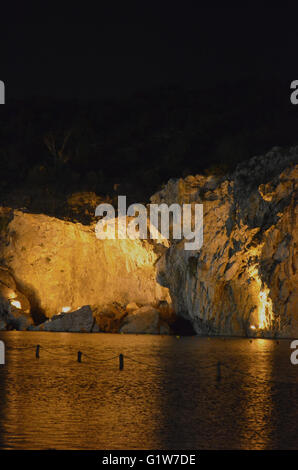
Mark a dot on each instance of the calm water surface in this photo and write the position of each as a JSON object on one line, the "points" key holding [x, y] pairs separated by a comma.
{"points": [[171, 400]]}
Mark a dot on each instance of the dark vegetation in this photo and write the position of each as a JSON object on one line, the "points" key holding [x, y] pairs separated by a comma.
{"points": [[51, 149]]}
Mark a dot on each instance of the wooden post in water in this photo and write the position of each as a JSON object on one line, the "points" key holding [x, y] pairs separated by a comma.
{"points": [[80, 356], [121, 361], [218, 371], [37, 351]]}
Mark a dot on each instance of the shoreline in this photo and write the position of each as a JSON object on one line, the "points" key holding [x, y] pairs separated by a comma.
{"points": [[176, 336]]}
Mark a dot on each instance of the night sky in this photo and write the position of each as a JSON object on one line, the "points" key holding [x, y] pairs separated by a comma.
{"points": [[86, 53], [136, 93]]}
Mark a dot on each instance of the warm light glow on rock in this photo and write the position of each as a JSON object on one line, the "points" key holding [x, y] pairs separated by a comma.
{"points": [[16, 304], [265, 312], [12, 295], [252, 327], [77, 269], [66, 309]]}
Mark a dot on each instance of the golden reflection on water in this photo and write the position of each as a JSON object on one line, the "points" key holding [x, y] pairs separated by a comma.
{"points": [[55, 402], [168, 399], [257, 401]]}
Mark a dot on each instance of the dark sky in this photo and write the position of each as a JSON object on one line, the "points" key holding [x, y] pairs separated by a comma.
{"points": [[83, 52]]}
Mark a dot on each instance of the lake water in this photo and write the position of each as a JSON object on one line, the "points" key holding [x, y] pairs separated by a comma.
{"points": [[170, 399]]}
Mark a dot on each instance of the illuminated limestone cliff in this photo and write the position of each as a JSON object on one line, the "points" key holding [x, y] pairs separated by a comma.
{"points": [[244, 280], [61, 266]]}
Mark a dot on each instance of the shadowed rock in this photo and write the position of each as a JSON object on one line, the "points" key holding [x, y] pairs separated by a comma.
{"points": [[14, 306], [145, 320], [80, 321]]}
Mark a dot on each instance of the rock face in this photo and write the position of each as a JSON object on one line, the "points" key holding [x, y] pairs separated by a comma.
{"points": [[243, 281], [13, 318], [145, 320], [109, 318], [130, 308], [14, 306], [61, 265], [80, 321]]}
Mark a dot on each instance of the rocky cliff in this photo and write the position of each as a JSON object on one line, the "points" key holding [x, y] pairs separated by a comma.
{"points": [[243, 281], [60, 266]]}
